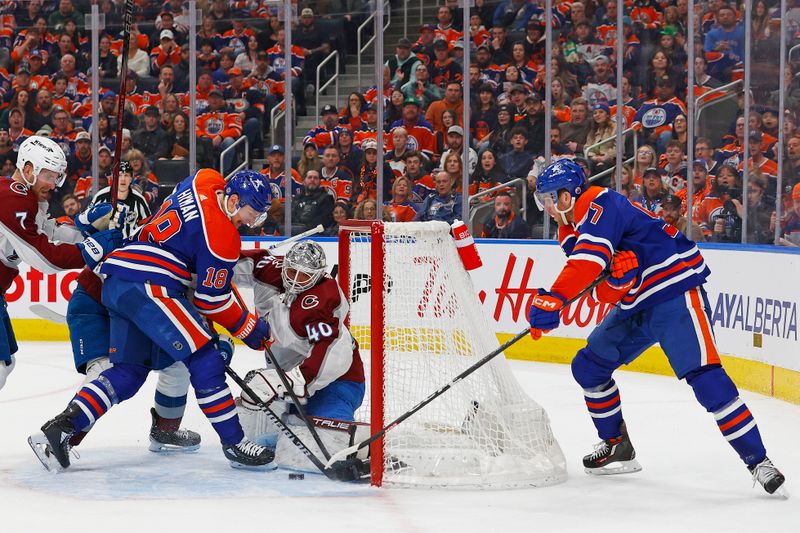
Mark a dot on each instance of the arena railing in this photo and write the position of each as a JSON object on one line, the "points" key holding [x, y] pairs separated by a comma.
{"points": [[335, 78], [370, 19], [714, 97], [245, 162], [522, 183]]}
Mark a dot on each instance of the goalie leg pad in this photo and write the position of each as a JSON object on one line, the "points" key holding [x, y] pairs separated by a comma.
{"points": [[171, 391], [716, 392], [335, 434]]}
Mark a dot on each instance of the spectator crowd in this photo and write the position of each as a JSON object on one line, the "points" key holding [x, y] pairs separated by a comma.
{"points": [[45, 88]]}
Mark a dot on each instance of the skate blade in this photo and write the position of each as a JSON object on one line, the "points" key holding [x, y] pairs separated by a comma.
{"points": [[259, 468], [160, 447], [781, 492], [41, 447], [618, 467]]}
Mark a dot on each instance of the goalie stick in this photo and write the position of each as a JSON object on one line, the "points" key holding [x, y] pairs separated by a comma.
{"points": [[342, 472], [127, 19], [313, 231], [300, 409], [339, 457]]}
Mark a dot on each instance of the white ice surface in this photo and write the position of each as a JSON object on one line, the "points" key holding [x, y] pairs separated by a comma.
{"points": [[691, 479]]}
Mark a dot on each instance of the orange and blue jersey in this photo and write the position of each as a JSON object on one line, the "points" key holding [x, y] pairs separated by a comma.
{"points": [[658, 115], [189, 235], [670, 264]]}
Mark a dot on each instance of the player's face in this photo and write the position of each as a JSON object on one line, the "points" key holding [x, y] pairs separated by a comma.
{"points": [[670, 213], [45, 182], [245, 216]]}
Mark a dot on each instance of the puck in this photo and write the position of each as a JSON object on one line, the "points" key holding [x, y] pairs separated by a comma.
{"points": [[297, 476]]}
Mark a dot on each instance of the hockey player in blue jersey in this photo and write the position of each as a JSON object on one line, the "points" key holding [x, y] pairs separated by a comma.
{"points": [[153, 321], [657, 278]]}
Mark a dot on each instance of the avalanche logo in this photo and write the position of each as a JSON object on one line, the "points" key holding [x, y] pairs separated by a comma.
{"points": [[309, 302], [654, 118]]}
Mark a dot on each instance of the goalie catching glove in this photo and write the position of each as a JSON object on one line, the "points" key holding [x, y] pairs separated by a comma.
{"points": [[267, 384]]}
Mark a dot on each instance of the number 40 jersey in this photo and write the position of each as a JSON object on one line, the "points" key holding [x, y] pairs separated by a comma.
{"points": [[307, 330], [189, 235]]}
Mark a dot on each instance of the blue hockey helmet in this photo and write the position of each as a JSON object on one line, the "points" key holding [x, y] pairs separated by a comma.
{"points": [[563, 174], [253, 191]]}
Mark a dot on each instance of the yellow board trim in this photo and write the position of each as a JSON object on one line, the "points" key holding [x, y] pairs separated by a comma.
{"points": [[754, 376]]}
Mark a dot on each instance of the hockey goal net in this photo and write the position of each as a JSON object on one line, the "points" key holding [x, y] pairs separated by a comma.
{"points": [[419, 323]]}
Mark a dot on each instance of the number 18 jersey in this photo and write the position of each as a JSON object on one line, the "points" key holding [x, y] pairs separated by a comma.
{"points": [[189, 235]]}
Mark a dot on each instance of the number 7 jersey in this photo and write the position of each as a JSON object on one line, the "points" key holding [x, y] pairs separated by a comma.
{"points": [[607, 222], [189, 235]]}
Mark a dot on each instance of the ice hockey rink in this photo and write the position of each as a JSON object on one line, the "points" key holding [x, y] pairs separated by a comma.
{"points": [[691, 480]]}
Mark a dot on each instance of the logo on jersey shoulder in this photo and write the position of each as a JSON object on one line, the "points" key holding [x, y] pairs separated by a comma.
{"points": [[19, 188], [654, 118], [309, 302]]}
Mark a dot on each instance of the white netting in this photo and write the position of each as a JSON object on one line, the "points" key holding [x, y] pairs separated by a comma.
{"points": [[485, 432]]}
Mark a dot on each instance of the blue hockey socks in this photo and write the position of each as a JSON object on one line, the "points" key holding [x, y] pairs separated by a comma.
{"points": [[600, 392], [213, 395], [113, 386], [716, 392]]}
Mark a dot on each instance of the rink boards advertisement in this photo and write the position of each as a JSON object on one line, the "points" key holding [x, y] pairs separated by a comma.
{"points": [[753, 294]]}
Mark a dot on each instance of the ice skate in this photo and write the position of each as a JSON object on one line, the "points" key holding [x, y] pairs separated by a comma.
{"points": [[612, 456], [769, 477], [165, 440], [248, 454], [52, 446]]}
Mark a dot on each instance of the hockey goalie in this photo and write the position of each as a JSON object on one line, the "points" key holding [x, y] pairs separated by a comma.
{"points": [[306, 313]]}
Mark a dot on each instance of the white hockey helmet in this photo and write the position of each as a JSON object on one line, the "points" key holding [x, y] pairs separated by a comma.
{"points": [[42, 153], [306, 258]]}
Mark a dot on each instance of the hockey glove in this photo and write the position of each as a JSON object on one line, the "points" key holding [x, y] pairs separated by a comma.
{"points": [[118, 220], [99, 218], [225, 346], [254, 332], [96, 247], [545, 312], [268, 385], [624, 268]]}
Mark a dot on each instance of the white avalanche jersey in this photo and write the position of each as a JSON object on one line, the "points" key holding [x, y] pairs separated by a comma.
{"points": [[308, 330]]}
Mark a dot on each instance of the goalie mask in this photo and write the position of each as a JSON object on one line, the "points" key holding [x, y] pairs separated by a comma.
{"points": [[43, 154], [303, 267]]}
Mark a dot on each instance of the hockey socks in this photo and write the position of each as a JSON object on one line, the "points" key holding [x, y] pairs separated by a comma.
{"points": [[220, 409], [740, 430], [94, 400], [605, 408], [716, 392]]}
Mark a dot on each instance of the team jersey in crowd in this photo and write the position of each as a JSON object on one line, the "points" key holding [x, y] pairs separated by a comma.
{"points": [[339, 184], [277, 60], [213, 123], [423, 187], [27, 234], [278, 185], [190, 234], [308, 330], [669, 263], [658, 115], [322, 136], [420, 136]]}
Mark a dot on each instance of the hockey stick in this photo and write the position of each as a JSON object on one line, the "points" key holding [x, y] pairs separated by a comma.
{"points": [[345, 472], [300, 409], [127, 19], [313, 231], [340, 455], [42, 311]]}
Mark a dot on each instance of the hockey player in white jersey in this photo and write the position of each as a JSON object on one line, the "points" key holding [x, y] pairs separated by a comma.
{"points": [[306, 311]]}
